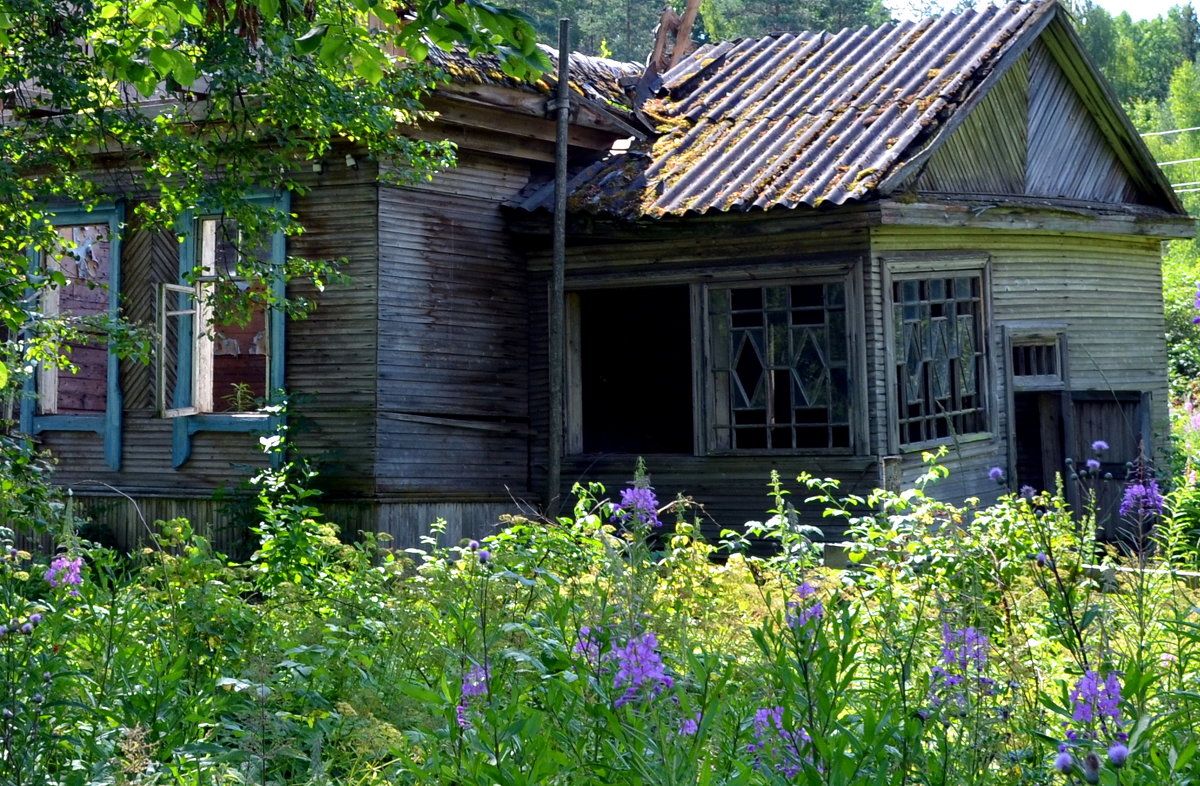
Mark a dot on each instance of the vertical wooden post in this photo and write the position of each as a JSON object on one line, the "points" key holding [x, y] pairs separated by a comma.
{"points": [[558, 275]]}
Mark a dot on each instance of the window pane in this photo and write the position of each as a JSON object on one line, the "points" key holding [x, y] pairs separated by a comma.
{"points": [[777, 380], [939, 351], [83, 257]]}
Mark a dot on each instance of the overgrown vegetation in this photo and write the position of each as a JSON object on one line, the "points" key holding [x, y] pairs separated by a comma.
{"points": [[613, 646]]}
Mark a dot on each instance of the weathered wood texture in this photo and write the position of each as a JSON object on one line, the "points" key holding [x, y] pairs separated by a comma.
{"points": [[1104, 293], [1032, 135], [1068, 155], [987, 154], [452, 374]]}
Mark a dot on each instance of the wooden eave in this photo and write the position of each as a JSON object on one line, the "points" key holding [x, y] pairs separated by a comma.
{"points": [[1032, 215], [1064, 44]]}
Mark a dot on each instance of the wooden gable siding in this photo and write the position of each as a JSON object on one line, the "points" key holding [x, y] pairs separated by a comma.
{"points": [[452, 377], [1069, 157], [1032, 135], [987, 153], [1104, 293], [732, 489]]}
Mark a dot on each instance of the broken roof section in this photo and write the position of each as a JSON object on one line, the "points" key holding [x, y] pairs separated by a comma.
{"points": [[808, 119], [594, 78]]}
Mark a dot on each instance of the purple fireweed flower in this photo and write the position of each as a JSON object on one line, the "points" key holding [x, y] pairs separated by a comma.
{"points": [[996, 474], [776, 746], [1096, 701], [961, 671], [639, 667], [689, 726], [1142, 499], [1099, 446], [475, 682], [1118, 752], [637, 506], [804, 612], [65, 571], [588, 645]]}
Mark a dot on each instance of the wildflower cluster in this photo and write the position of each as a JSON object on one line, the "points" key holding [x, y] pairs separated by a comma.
{"points": [[1142, 499], [1096, 711], [961, 672], [65, 571], [775, 746], [801, 613], [639, 668], [638, 508], [474, 684]]}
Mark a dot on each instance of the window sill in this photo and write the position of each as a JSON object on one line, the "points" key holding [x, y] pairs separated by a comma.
{"points": [[949, 442]]}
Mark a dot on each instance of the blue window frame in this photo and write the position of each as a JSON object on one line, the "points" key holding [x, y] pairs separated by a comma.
{"points": [[210, 373], [89, 257]]}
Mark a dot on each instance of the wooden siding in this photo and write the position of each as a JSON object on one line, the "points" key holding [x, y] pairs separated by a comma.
{"points": [[452, 375], [1103, 293], [987, 152], [1069, 157]]}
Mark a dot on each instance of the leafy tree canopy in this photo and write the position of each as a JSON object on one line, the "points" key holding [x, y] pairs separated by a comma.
{"points": [[193, 104]]}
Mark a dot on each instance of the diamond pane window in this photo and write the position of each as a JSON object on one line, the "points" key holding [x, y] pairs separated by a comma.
{"points": [[939, 357], [781, 367]]}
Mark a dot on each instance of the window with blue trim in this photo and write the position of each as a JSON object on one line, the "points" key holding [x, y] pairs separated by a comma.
{"points": [[83, 392], [220, 352]]}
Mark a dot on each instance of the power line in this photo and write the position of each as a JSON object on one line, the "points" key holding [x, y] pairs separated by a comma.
{"points": [[1172, 131], [1180, 161], [1192, 183]]}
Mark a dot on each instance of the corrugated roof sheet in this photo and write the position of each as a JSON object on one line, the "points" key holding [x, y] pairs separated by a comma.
{"points": [[596, 78], [800, 119]]}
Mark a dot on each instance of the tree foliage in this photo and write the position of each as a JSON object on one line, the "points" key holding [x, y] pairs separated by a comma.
{"points": [[625, 30], [182, 105]]}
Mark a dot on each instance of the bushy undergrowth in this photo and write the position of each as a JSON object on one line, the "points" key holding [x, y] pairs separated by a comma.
{"points": [[976, 645]]}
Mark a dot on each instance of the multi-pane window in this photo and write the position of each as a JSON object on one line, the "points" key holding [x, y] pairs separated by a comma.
{"points": [[939, 351], [780, 367]]}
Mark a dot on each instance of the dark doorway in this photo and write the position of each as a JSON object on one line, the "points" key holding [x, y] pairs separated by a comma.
{"points": [[1038, 428], [635, 360]]}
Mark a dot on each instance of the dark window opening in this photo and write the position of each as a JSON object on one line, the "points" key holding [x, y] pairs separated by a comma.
{"points": [[635, 361]]}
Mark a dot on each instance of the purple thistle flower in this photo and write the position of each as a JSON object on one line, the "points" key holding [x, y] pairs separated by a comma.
{"points": [[639, 666], [1118, 752], [1142, 500], [473, 545], [1093, 465], [996, 474], [1064, 762], [1099, 446], [484, 556], [1091, 767], [637, 506], [1028, 492]]}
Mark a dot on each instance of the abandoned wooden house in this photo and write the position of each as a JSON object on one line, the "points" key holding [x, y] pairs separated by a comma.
{"points": [[822, 252]]}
